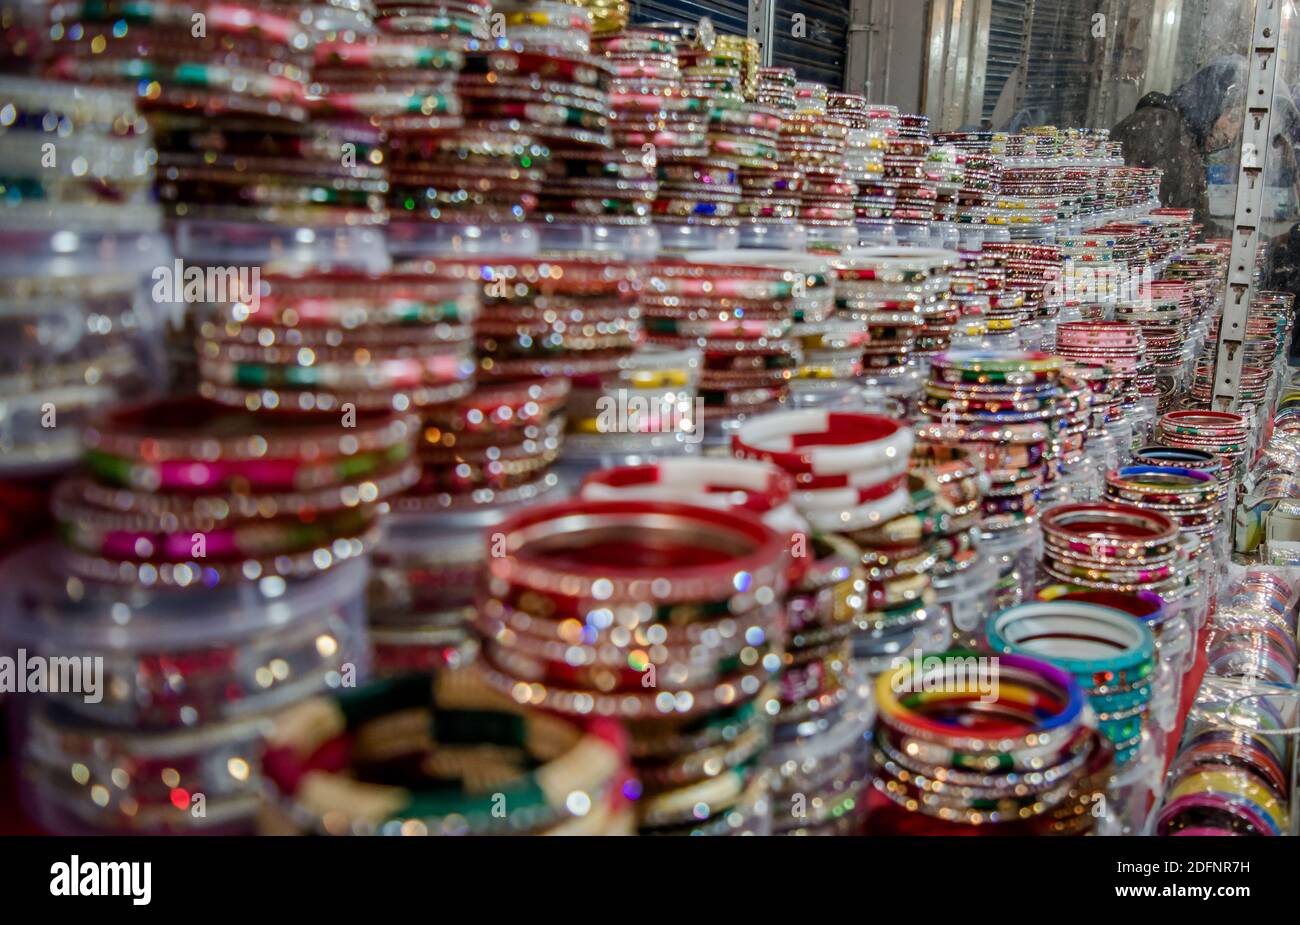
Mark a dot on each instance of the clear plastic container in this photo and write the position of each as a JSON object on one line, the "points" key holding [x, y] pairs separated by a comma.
{"points": [[186, 657], [684, 237], [280, 248], [82, 779], [1014, 553], [967, 597], [781, 236], [633, 243], [24, 252], [821, 771], [876, 233], [413, 240]]}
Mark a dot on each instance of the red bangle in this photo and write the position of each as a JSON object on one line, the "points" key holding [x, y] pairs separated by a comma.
{"points": [[593, 567]]}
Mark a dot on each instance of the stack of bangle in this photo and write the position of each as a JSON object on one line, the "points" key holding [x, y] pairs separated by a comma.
{"points": [[187, 494], [649, 408], [1232, 773], [1173, 638], [368, 86], [831, 347], [698, 180], [899, 557], [459, 20], [962, 577], [878, 191], [230, 109], [521, 107], [188, 659], [1191, 497], [465, 463], [948, 165], [770, 190], [1224, 434], [413, 755], [669, 617], [1116, 345], [1110, 547], [426, 573], [1177, 458], [1003, 406], [776, 87], [546, 25], [969, 744], [981, 179], [1252, 384], [820, 778], [740, 317], [1111, 655], [1268, 324], [1068, 453], [866, 146], [319, 341], [905, 164], [544, 318], [972, 293], [1032, 269], [608, 16], [614, 186], [760, 488], [472, 174], [104, 178], [646, 88], [481, 456], [1254, 636], [902, 296], [822, 606], [74, 344], [849, 469], [816, 144]]}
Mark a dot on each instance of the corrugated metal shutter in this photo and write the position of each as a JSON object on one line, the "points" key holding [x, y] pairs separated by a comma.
{"points": [[729, 16], [819, 54], [1057, 90], [1006, 37]]}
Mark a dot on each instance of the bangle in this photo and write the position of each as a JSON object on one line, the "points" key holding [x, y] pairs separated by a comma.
{"points": [[1060, 703], [757, 487], [406, 716], [823, 443], [1108, 652], [743, 554], [858, 516], [91, 503]]}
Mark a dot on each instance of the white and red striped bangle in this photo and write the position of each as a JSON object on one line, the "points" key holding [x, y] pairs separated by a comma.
{"points": [[866, 478], [840, 518], [825, 443], [753, 486], [848, 496]]}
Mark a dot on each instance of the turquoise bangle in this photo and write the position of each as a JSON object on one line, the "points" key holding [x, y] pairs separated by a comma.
{"points": [[1135, 637]]}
